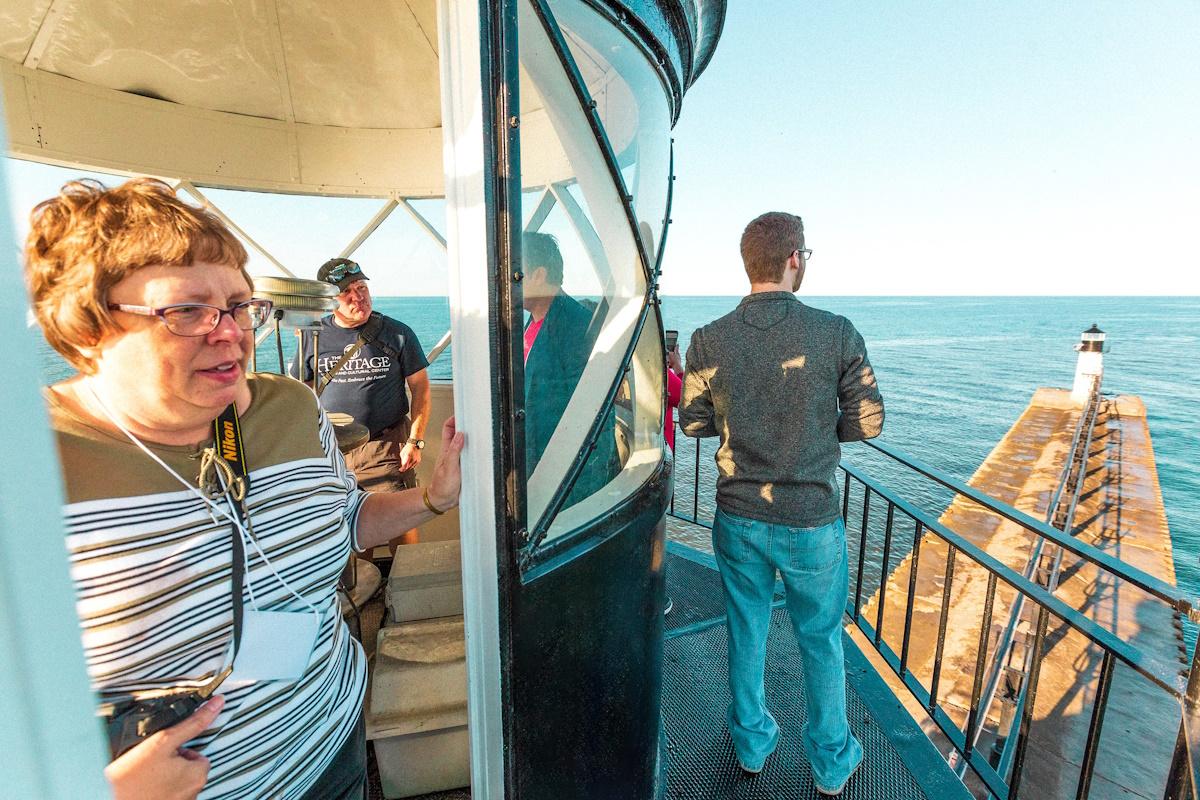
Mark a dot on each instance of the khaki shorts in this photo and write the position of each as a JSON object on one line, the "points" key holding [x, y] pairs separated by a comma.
{"points": [[376, 464]]}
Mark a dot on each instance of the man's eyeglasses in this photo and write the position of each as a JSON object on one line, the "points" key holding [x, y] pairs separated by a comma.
{"points": [[198, 319], [341, 271], [805, 254]]}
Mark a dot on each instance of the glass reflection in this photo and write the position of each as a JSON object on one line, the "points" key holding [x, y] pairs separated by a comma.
{"points": [[631, 100], [579, 326], [633, 434], [560, 332]]}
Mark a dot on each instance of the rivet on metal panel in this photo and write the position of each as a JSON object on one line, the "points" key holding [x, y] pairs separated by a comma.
{"points": [[517, 276], [513, 121]]}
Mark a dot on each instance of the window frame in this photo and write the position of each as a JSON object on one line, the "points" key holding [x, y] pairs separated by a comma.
{"points": [[532, 551]]}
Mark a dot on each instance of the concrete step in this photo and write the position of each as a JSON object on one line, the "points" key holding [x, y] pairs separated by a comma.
{"points": [[425, 582], [417, 707]]}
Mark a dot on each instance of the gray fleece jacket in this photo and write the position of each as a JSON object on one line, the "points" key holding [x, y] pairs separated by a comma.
{"points": [[782, 384]]}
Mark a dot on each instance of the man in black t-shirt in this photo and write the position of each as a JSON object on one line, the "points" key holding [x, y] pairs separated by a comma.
{"points": [[365, 362]]}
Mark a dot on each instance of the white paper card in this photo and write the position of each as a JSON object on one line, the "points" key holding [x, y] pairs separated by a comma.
{"points": [[275, 646]]}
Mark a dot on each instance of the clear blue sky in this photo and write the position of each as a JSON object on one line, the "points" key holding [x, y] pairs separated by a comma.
{"points": [[949, 147], [931, 147]]}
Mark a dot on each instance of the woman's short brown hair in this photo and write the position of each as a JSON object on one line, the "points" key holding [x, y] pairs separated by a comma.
{"points": [[88, 238], [767, 243]]}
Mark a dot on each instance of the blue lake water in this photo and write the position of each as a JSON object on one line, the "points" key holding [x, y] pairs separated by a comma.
{"points": [[957, 371]]}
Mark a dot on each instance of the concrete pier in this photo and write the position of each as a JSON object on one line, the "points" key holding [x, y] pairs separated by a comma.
{"points": [[1121, 512]]}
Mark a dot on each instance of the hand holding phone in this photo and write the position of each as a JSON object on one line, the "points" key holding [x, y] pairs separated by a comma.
{"points": [[672, 342]]}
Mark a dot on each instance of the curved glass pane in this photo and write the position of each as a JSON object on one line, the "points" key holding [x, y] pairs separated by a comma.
{"points": [[633, 106], [584, 286], [631, 438]]}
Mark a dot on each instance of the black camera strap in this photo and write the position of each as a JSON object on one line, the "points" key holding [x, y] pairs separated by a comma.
{"points": [[367, 335], [370, 334], [336, 368], [228, 443], [132, 718]]}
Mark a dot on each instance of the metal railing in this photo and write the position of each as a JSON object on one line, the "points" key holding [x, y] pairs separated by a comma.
{"points": [[1002, 781], [1060, 513]]}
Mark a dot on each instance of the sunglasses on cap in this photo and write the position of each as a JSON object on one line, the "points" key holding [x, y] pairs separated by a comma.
{"points": [[342, 270]]}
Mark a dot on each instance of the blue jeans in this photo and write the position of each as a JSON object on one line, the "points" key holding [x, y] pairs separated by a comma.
{"points": [[812, 562]]}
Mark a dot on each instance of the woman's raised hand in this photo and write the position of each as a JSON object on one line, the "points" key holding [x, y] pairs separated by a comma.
{"points": [[446, 481], [161, 767]]}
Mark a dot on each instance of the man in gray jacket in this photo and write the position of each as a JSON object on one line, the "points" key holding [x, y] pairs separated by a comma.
{"points": [[782, 384]]}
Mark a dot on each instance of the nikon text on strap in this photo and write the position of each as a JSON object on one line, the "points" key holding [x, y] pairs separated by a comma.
{"points": [[228, 443], [131, 719]]}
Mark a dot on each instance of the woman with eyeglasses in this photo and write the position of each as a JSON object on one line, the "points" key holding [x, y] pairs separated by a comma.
{"points": [[208, 511]]}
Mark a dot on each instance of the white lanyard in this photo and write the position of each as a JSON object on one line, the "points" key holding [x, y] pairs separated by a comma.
{"points": [[213, 509]]}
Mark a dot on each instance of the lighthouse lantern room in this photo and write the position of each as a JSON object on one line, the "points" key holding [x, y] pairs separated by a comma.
{"points": [[1090, 366]]}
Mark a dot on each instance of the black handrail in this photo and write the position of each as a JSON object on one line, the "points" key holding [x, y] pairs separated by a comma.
{"points": [[1062, 516], [998, 781], [1164, 676], [1149, 583]]}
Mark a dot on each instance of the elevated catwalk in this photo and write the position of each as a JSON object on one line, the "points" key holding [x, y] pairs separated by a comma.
{"points": [[1120, 512], [900, 762]]}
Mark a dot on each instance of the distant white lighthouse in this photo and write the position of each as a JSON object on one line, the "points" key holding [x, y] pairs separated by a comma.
{"points": [[1090, 364]]}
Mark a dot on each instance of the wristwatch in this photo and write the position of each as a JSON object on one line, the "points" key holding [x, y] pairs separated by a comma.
{"points": [[419, 443]]}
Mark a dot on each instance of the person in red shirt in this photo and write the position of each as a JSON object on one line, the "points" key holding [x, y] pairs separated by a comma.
{"points": [[558, 342], [674, 393]]}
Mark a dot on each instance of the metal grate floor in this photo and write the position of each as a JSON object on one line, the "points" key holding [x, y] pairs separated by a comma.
{"points": [[899, 762], [694, 588], [702, 762], [692, 597]]}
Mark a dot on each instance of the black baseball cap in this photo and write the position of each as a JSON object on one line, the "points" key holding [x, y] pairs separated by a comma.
{"points": [[341, 272]]}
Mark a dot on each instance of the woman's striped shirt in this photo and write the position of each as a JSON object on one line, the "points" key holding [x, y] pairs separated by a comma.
{"points": [[152, 576]]}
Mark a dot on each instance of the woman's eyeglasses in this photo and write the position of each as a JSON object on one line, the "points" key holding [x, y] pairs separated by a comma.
{"points": [[341, 271], [198, 319]]}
